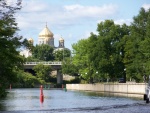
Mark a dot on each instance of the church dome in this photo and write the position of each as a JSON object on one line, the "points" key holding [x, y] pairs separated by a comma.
{"points": [[45, 33], [61, 39], [30, 40]]}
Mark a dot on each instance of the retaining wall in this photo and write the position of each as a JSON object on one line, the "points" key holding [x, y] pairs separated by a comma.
{"points": [[128, 88]]}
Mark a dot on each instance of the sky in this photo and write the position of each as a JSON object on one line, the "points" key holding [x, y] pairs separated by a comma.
{"points": [[73, 19]]}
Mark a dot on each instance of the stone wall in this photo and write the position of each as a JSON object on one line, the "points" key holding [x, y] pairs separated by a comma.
{"points": [[128, 88]]}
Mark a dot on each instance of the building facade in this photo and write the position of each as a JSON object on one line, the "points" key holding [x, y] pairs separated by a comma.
{"points": [[45, 37]]}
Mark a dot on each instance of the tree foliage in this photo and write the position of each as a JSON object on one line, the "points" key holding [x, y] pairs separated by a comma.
{"points": [[137, 47], [9, 42], [118, 51], [61, 55], [110, 49], [42, 71], [25, 79], [43, 52], [69, 68]]}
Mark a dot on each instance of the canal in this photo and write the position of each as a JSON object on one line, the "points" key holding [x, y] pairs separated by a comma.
{"points": [[60, 101]]}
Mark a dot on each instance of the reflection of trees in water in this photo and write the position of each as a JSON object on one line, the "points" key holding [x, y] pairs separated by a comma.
{"points": [[2, 107], [109, 95]]}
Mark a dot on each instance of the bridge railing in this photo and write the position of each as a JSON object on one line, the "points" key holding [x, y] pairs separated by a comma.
{"points": [[44, 63]]}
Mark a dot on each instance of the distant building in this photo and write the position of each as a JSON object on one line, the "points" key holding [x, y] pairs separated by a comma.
{"points": [[45, 37]]}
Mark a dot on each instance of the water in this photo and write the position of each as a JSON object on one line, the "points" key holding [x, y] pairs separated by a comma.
{"points": [[58, 101]]}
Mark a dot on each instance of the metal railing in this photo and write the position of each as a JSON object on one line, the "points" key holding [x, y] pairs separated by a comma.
{"points": [[44, 63]]}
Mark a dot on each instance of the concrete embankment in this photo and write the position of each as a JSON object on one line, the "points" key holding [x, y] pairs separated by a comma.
{"points": [[124, 88]]}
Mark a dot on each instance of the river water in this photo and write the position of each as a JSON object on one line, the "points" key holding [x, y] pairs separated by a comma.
{"points": [[60, 101]]}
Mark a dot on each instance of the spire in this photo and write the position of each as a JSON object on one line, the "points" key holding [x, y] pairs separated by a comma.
{"points": [[46, 24]]}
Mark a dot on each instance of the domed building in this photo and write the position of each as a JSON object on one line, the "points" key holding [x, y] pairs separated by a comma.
{"points": [[45, 37], [26, 52], [30, 40], [61, 43]]}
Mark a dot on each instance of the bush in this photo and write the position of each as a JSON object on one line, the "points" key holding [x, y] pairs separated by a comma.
{"points": [[27, 80]]}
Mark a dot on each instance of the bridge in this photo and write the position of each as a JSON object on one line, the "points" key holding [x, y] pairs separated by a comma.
{"points": [[54, 65]]}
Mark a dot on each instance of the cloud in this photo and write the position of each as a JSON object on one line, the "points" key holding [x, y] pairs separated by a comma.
{"points": [[34, 13], [91, 11], [11, 2], [146, 6]]}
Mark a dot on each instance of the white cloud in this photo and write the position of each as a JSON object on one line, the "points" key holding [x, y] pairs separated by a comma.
{"points": [[34, 13], [10, 2], [33, 6], [91, 11], [146, 6]]}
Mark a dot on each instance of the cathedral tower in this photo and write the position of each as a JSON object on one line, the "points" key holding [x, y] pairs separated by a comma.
{"points": [[46, 37], [61, 43]]}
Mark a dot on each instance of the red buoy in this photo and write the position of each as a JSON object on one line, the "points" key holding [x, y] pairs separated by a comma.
{"points": [[41, 94], [10, 86], [62, 86]]}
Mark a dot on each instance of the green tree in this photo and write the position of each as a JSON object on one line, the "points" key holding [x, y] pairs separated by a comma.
{"points": [[137, 53], [25, 79], [28, 45], [80, 59], [60, 55], [43, 52], [69, 68], [108, 50], [42, 71], [9, 43], [101, 56]]}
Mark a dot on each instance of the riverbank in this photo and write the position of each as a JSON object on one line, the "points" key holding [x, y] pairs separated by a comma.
{"points": [[119, 88]]}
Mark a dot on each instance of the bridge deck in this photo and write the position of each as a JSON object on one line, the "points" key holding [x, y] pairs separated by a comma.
{"points": [[44, 63]]}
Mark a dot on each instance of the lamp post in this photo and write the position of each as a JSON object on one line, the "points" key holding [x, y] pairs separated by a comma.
{"points": [[124, 75], [63, 54], [96, 76]]}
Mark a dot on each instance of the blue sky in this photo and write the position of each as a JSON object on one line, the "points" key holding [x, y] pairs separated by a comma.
{"points": [[73, 19]]}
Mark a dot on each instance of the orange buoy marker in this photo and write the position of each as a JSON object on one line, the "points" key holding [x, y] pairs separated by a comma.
{"points": [[10, 86], [41, 94], [62, 86]]}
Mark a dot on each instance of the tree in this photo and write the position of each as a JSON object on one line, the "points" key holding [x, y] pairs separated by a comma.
{"points": [[9, 43], [69, 68], [80, 59], [43, 52], [108, 51], [137, 53], [60, 55], [42, 71], [28, 45], [25, 79]]}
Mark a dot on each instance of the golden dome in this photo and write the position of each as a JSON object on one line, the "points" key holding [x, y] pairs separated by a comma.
{"points": [[30, 40], [61, 39], [45, 33]]}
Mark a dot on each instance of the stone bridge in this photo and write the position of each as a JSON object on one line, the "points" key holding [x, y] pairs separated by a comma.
{"points": [[54, 65]]}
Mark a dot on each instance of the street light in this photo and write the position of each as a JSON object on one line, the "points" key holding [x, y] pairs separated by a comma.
{"points": [[97, 76], [63, 54], [124, 75]]}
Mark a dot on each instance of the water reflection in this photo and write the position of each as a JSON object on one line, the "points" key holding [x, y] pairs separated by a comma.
{"points": [[109, 94], [55, 100]]}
